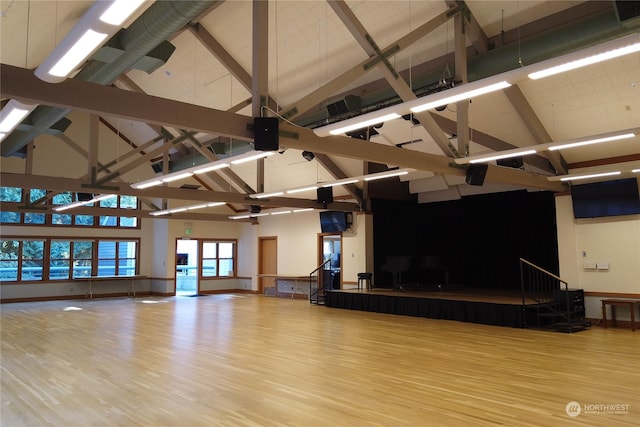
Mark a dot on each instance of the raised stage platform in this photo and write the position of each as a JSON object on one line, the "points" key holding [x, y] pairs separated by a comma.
{"points": [[485, 306]]}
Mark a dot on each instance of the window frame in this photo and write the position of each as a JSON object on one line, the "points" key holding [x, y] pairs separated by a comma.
{"points": [[217, 258]]}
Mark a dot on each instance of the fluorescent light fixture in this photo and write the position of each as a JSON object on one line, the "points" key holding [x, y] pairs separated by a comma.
{"points": [[589, 60], [302, 210], [99, 23], [214, 204], [498, 156], [87, 43], [592, 141], [265, 195], [177, 177], [199, 169], [375, 176], [365, 123], [251, 156], [210, 168], [551, 146], [146, 184], [201, 206], [176, 210], [302, 189], [280, 212], [582, 176], [635, 170], [102, 197], [341, 182], [159, 213], [83, 203], [470, 93], [68, 206], [243, 216], [13, 113], [120, 11]]}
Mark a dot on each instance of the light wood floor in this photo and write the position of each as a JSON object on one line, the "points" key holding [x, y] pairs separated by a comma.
{"points": [[250, 360]]}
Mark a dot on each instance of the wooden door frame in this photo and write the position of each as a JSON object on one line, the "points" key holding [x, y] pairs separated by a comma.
{"points": [[261, 280]]}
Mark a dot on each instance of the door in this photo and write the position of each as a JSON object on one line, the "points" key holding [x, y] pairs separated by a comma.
{"points": [[267, 262], [331, 249], [187, 267]]}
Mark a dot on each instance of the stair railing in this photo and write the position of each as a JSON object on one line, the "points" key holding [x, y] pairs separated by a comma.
{"points": [[543, 288], [316, 291]]}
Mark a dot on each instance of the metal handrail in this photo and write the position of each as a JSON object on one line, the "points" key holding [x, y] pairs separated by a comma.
{"points": [[537, 295], [544, 271], [317, 291]]}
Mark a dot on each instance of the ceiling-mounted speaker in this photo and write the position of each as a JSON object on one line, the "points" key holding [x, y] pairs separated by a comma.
{"points": [[476, 173], [325, 195], [255, 209], [265, 134]]}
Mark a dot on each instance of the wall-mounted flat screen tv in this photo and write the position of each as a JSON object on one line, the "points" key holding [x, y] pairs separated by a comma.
{"points": [[333, 221], [609, 198]]}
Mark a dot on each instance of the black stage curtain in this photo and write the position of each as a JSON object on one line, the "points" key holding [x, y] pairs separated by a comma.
{"points": [[479, 238]]}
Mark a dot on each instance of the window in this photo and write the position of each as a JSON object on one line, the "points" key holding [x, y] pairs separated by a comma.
{"points": [[64, 254], [117, 258], [12, 198], [55, 259], [9, 250], [31, 217], [10, 194], [218, 258], [32, 260]]}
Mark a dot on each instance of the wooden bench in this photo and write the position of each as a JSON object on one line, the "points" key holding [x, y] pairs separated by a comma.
{"points": [[619, 302]]}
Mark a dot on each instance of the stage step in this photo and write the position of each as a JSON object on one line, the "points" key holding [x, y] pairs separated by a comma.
{"points": [[572, 326]]}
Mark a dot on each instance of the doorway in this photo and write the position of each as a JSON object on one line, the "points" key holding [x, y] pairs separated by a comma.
{"points": [[187, 268], [331, 249], [267, 264]]}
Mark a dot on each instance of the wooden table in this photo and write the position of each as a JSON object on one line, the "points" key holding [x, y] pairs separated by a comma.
{"points": [[132, 283], [614, 303], [296, 279]]}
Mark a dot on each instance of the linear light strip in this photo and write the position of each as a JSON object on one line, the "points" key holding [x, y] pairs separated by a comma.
{"points": [[13, 113], [552, 146], [204, 168], [343, 181], [83, 203]]}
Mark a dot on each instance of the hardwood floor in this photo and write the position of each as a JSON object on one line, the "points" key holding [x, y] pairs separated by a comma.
{"points": [[250, 360]]}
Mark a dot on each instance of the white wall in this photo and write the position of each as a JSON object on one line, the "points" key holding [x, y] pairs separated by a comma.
{"points": [[612, 240]]}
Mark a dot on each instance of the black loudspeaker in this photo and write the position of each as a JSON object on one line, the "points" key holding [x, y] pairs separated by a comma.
{"points": [[255, 209], [325, 195], [84, 197], [265, 134], [476, 173]]}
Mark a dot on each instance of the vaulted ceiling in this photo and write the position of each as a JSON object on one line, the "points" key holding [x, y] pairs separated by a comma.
{"points": [[177, 89]]}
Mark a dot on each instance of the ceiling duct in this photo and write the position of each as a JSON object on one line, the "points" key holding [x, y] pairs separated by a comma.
{"points": [[149, 31], [343, 106]]}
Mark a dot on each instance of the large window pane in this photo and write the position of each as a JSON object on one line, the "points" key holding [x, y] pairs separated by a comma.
{"points": [[59, 259], [9, 260], [226, 267], [62, 199], [31, 217], [209, 250], [10, 194], [86, 220], [209, 267], [32, 259], [226, 250], [9, 217], [82, 258]]}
